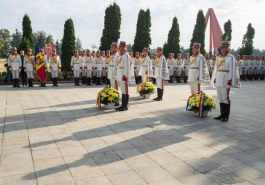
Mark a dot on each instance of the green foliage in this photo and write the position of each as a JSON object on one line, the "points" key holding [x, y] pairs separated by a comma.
{"points": [[68, 44], [49, 39], [4, 42], [228, 31], [78, 45], [16, 39], [247, 43], [27, 36], [199, 32], [112, 23], [142, 37], [172, 44]]}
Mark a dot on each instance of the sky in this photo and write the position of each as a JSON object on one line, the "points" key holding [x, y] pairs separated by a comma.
{"points": [[88, 17]]}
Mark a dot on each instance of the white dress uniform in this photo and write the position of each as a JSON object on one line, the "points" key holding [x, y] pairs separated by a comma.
{"points": [[245, 69], [262, 69], [209, 65], [99, 66], [29, 66], [186, 65], [104, 68], [161, 74], [257, 64], [83, 70], [88, 68], [137, 68], [14, 64], [132, 70], [76, 66], [195, 73], [171, 64], [178, 69], [112, 70], [251, 66], [55, 66], [224, 77], [108, 60], [240, 64], [145, 69], [153, 61]]}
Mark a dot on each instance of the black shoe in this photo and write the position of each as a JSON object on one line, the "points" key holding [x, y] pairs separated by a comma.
{"points": [[226, 112], [125, 105], [222, 112], [158, 92]]}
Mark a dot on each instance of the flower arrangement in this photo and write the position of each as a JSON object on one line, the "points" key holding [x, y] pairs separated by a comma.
{"points": [[108, 95], [201, 102], [146, 88]]}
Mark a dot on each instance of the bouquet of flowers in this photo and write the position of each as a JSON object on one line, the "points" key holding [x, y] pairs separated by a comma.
{"points": [[108, 95], [146, 88], [201, 103]]}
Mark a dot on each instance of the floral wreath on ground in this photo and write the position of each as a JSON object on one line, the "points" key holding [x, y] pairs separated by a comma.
{"points": [[146, 88], [201, 102], [108, 95]]}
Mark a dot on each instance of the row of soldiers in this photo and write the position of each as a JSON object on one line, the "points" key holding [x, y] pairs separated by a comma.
{"points": [[20, 63]]}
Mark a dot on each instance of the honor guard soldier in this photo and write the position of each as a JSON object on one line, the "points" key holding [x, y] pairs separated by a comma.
{"points": [[29, 66], [213, 63], [153, 61], [99, 66], [104, 67], [171, 63], [94, 68], [224, 77], [178, 67], [132, 67], [55, 66], [196, 69], [112, 70], [108, 60], [257, 64], [245, 68], [145, 66], [83, 70], [240, 64], [137, 68], [262, 68], [123, 75], [250, 68], [88, 68], [209, 64], [14, 64], [186, 63], [161, 73], [76, 67]]}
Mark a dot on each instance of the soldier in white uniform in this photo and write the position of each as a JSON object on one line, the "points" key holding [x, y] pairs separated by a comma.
{"points": [[196, 69], [178, 67], [245, 68], [171, 64], [83, 63], [145, 66], [224, 77], [76, 67], [153, 61], [14, 64], [257, 64], [137, 67], [186, 64], [108, 60], [240, 64], [88, 67], [94, 68], [132, 67], [123, 75], [250, 68], [161, 73], [213, 63], [112, 70], [29, 66], [55, 66], [104, 67], [262, 68], [209, 64], [99, 66]]}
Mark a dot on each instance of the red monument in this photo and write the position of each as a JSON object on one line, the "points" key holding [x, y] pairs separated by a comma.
{"points": [[215, 31]]}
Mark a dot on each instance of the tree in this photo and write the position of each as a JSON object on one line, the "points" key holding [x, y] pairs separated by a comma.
{"points": [[199, 32], [78, 45], [40, 37], [58, 47], [142, 37], [228, 31], [16, 39], [68, 44], [4, 42], [112, 23], [172, 44], [129, 48], [27, 36], [247, 43], [49, 39]]}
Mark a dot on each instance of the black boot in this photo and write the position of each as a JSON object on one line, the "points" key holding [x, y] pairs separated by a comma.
{"points": [[17, 83], [140, 79], [88, 81], [56, 81], [222, 112], [122, 102], [185, 79], [77, 82], [226, 113], [154, 80], [30, 82], [99, 81], [158, 93], [125, 105], [170, 79], [178, 79], [14, 83], [137, 80]]}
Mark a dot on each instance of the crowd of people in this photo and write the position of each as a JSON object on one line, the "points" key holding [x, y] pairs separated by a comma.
{"points": [[118, 68]]}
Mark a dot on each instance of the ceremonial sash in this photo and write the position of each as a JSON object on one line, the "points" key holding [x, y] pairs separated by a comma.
{"points": [[192, 61], [220, 64]]}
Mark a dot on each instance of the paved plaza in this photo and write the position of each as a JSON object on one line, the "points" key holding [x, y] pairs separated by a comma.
{"points": [[57, 135]]}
